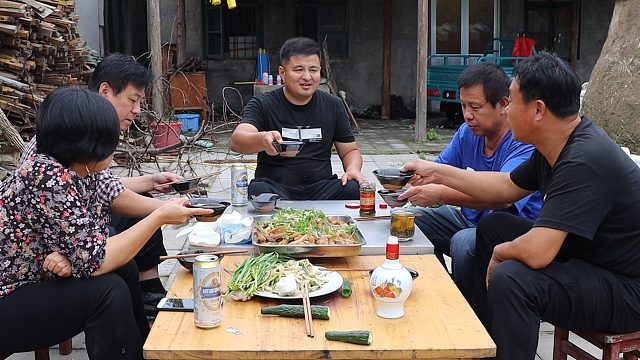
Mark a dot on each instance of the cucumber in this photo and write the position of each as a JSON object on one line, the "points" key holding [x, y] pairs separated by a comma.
{"points": [[346, 288], [361, 337], [297, 311]]}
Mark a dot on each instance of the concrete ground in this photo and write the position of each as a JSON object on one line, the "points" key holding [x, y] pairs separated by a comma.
{"points": [[383, 143]]}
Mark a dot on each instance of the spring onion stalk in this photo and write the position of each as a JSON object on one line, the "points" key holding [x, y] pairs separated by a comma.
{"points": [[253, 274]]}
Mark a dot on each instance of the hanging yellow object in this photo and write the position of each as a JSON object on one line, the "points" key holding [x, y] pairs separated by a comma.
{"points": [[231, 4], [216, 2]]}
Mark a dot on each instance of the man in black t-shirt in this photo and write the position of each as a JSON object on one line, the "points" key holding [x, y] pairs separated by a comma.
{"points": [[577, 265], [299, 112]]}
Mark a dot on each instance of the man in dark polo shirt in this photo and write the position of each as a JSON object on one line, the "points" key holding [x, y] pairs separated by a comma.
{"points": [[298, 111]]}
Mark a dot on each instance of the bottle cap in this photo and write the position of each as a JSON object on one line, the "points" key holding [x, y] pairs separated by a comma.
{"points": [[392, 248], [352, 205], [383, 205]]}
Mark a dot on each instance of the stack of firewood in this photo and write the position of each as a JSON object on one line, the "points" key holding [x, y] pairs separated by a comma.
{"points": [[40, 49]]}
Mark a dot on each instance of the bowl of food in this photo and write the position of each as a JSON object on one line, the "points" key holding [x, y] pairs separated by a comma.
{"points": [[288, 148], [391, 197], [392, 179], [218, 208], [187, 262], [264, 202], [185, 186]]}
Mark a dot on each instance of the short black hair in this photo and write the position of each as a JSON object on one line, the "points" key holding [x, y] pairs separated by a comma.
{"points": [[119, 70], [76, 126], [494, 80], [546, 77], [298, 46]]}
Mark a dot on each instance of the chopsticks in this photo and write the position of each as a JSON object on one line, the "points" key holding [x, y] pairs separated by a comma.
{"points": [[379, 217], [306, 304], [370, 218], [343, 269], [206, 253]]}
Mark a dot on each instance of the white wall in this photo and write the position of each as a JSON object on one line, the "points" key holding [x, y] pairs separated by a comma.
{"points": [[91, 22]]}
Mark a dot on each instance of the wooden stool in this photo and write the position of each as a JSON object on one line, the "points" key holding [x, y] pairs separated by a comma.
{"points": [[43, 354], [612, 345]]}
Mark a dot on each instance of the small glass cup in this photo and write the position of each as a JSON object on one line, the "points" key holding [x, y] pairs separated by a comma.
{"points": [[402, 224]]}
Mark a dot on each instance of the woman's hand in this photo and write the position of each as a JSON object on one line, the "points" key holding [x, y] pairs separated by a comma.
{"points": [[176, 211], [58, 264]]}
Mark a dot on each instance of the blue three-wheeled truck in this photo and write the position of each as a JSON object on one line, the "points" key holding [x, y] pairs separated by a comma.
{"points": [[443, 72]]}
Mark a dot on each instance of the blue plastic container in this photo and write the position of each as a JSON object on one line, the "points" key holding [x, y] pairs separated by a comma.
{"points": [[190, 122], [262, 65]]}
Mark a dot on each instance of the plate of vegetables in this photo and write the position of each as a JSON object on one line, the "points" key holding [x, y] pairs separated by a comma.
{"points": [[277, 276]]}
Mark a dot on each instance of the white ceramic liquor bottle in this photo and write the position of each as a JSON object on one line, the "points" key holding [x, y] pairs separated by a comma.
{"points": [[391, 283]]}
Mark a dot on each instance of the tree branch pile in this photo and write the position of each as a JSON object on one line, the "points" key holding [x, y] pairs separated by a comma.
{"points": [[40, 49]]}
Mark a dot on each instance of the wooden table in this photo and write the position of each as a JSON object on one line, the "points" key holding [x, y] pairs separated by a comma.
{"points": [[438, 323]]}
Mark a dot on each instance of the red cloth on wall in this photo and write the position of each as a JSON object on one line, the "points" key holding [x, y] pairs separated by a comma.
{"points": [[523, 46]]}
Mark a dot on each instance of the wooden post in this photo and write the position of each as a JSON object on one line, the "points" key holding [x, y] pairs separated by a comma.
{"points": [[386, 60], [181, 43], [10, 133], [575, 30], [421, 85], [153, 17]]}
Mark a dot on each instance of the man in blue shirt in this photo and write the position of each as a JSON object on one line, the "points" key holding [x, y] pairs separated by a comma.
{"points": [[483, 143]]}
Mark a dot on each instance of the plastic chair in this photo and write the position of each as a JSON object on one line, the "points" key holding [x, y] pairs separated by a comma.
{"points": [[612, 345]]}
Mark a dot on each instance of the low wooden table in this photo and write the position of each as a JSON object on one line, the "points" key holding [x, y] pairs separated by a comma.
{"points": [[438, 323]]}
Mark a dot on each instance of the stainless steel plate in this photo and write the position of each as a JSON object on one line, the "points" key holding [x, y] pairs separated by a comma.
{"points": [[311, 250]]}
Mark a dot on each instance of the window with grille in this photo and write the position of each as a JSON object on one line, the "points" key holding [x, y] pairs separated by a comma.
{"points": [[235, 33], [317, 19]]}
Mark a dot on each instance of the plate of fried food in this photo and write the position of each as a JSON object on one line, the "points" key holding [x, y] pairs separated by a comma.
{"points": [[307, 233]]}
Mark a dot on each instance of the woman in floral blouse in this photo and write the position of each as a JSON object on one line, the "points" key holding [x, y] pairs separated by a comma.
{"points": [[60, 272]]}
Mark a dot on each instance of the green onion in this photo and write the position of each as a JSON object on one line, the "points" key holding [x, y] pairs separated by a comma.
{"points": [[253, 274]]}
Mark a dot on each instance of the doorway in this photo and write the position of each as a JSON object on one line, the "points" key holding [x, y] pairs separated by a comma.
{"points": [[126, 27], [554, 25]]}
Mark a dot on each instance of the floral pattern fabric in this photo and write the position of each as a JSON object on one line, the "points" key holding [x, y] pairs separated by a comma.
{"points": [[109, 185], [46, 207]]}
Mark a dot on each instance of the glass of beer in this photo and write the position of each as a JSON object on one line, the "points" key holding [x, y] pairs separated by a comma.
{"points": [[402, 224]]}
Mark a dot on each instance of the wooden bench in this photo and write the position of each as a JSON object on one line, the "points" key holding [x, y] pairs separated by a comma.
{"points": [[612, 345], [65, 348]]}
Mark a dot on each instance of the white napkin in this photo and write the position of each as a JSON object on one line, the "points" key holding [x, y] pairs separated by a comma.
{"points": [[235, 229], [204, 234]]}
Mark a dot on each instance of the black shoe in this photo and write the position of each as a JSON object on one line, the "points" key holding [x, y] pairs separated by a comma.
{"points": [[150, 301]]}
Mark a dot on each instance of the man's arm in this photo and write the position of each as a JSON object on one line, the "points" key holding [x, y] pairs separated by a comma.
{"points": [[431, 194], [351, 161], [537, 248], [484, 186], [130, 203], [246, 139]]}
